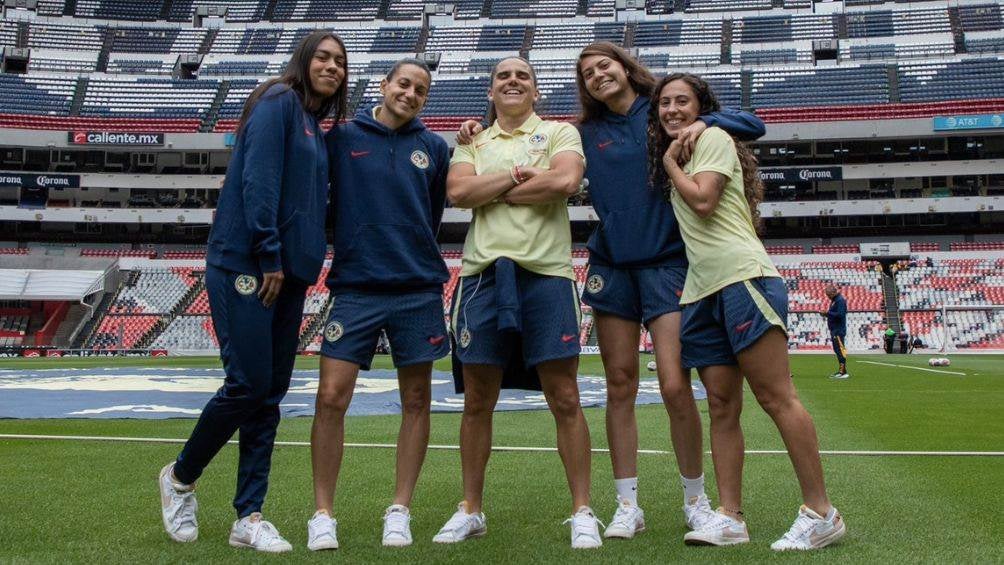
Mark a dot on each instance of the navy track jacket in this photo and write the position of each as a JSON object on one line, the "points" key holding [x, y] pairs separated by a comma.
{"points": [[637, 226], [388, 191], [270, 216]]}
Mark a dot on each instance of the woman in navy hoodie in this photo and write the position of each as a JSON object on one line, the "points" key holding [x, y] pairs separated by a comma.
{"points": [[388, 191], [266, 247]]}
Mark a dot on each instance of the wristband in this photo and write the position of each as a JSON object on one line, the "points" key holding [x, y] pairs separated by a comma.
{"points": [[519, 175], [512, 175]]}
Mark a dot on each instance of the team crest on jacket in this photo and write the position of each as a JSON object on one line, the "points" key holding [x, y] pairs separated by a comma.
{"points": [[333, 331], [465, 338], [246, 284], [420, 159], [594, 284]]}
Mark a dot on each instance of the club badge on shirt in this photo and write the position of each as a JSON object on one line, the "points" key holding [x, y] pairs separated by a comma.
{"points": [[420, 159]]}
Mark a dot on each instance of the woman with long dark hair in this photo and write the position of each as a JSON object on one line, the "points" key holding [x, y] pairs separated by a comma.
{"points": [[735, 309], [388, 191], [266, 248], [637, 266]]}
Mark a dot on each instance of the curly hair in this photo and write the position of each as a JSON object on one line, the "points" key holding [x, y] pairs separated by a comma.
{"points": [[659, 140]]}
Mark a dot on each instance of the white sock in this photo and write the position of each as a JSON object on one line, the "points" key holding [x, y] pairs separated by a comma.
{"points": [[627, 489], [692, 488]]}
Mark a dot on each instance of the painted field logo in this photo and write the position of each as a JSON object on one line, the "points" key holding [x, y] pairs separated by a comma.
{"points": [[334, 331], [594, 284], [246, 284], [420, 159]]}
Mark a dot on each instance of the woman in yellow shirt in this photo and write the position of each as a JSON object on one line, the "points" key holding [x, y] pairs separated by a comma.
{"points": [[517, 296], [735, 307]]}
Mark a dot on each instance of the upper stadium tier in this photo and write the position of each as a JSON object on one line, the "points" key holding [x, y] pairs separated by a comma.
{"points": [[131, 66]]}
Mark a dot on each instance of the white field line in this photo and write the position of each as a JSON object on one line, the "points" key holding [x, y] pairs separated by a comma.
{"points": [[519, 448], [915, 368]]}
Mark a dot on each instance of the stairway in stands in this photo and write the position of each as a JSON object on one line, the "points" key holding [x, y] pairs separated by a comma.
{"points": [[315, 325], [891, 294], [213, 115], [165, 10], [958, 34]]}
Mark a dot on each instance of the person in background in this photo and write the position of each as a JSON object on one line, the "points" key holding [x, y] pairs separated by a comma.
{"points": [[836, 321]]}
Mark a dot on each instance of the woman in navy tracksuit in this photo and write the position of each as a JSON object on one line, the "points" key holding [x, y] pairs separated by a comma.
{"points": [[388, 190], [266, 247], [637, 267]]}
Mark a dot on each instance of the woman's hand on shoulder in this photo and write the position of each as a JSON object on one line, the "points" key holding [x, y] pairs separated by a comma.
{"points": [[688, 137], [673, 155], [467, 131]]}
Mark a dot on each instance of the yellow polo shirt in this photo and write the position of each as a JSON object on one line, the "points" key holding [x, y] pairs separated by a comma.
{"points": [[723, 248], [536, 236]]}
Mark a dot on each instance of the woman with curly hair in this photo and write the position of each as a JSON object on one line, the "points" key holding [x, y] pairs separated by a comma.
{"points": [[735, 306]]}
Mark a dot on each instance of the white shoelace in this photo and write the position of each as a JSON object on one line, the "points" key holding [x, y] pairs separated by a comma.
{"points": [[717, 521], [184, 504], [456, 522], [265, 531], [623, 516], [397, 523], [581, 524], [802, 525]]}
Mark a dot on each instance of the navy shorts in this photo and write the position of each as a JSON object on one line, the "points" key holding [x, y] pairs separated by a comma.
{"points": [[717, 327], [414, 323], [639, 295], [549, 314]]}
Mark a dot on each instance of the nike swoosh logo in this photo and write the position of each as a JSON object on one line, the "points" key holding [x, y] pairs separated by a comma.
{"points": [[567, 338], [356, 154], [437, 340], [604, 145], [744, 326]]}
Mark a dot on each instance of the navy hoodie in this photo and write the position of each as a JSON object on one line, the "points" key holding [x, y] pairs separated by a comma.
{"points": [[637, 226], [270, 215], [388, 191], [836, 317]]}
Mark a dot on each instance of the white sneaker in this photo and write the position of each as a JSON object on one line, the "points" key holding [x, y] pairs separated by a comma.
{"points": [[840, 376], [258, 534], [397, 526], [811, 531], [178, 507], [697, 512], [322, 532], [461, 526], [628, 520], [719, 530], [585, 529]]}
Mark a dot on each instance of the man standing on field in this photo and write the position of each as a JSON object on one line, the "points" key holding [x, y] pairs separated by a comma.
{"points": [[836, 321]]}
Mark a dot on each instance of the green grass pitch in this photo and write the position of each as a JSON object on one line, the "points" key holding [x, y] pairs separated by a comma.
{"points": [[76, 501]]}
